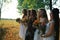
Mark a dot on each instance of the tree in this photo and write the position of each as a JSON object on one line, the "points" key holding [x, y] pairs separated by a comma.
{"points": [[33, 4], [29, 4]]}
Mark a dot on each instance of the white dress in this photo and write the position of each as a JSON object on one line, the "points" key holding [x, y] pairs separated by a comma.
{"points": [[22, 31], [37, 35], [47, 29]]}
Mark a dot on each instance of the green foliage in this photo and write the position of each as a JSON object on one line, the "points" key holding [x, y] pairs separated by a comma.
{"points": [[32, 4]]}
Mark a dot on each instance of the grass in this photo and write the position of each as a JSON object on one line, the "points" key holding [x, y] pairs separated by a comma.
{"points": [[9, 30]]}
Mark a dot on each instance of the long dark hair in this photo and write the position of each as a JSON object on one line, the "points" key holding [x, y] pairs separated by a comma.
{"points": [[34, 12], [44, 14], [55, 13], [24, 12]]}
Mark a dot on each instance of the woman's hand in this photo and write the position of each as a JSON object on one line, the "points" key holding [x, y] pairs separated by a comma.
{"points": [[43, 35]]}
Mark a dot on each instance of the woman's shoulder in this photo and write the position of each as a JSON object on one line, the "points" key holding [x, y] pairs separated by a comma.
{"points": [[52, 21]]}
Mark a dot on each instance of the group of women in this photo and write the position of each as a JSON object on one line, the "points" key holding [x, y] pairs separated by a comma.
{"points": [[30, 32]]}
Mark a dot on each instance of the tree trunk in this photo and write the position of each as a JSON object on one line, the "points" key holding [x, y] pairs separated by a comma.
{"points": [[50, 4]]}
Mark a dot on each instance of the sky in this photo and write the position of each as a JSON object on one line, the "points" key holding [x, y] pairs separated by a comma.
{"points": [[10, 11]]}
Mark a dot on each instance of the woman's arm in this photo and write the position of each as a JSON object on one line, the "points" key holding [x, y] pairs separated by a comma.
{"points": [[51, 30]]}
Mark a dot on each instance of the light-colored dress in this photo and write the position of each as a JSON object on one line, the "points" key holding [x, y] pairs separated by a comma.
{"points": [[37, 35], [22, 31], [47, 30]]}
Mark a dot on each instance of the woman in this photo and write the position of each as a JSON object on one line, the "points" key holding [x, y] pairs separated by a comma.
{"points": [[23, 25], [31, 29], [55, 13], [41, 16], [27, 35], [49, 34]]}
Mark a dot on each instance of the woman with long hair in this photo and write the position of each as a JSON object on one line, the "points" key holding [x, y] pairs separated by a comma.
{"points": [[42, 18], [55, 18], [30, 29], [23, 25], [52, 25]]}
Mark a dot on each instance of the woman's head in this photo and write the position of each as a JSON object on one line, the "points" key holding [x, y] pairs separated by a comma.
{"points": [[42, 13], [54, 14], [24, 11], [33, 12]]}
